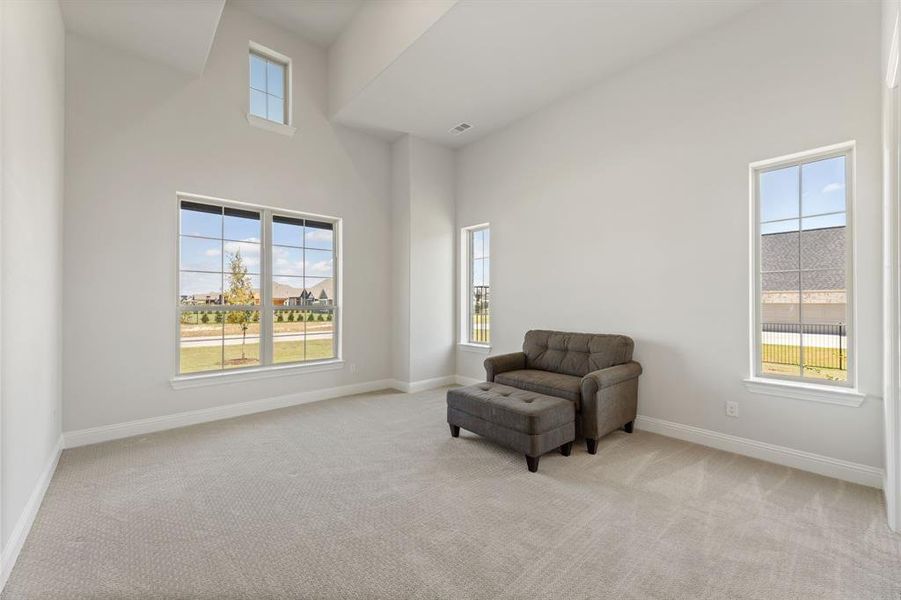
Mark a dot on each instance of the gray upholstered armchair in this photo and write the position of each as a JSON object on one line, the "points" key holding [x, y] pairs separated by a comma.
{"points": [[594, 371]]}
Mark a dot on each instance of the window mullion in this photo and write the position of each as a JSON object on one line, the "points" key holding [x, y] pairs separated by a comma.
{"points": [[266, 289], [800, 275]]}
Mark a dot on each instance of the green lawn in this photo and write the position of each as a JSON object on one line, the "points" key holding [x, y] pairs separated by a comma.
{"points": [[209, 358], [789, 357]]}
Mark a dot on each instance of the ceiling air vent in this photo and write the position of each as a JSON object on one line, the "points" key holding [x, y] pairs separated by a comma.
{"points": [[460, 128]]}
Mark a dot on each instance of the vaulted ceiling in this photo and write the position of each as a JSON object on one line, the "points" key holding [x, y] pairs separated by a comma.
{"points": [[408, 66]]}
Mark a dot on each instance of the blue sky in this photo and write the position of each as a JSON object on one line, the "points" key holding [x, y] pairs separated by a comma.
{"points": [[292, 264], [823, 185]]}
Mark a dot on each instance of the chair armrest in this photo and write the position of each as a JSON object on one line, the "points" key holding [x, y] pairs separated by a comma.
{"points": [[604, 378], [495, 365]]}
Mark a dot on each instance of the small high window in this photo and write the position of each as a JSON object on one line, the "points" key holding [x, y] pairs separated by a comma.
{"points": [[270, 85]]}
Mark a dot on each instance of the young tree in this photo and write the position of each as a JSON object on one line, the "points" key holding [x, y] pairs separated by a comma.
{"points": [[240, 291]]}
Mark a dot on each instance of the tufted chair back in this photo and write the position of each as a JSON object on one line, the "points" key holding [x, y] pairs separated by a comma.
{"points": [[575, 353]]}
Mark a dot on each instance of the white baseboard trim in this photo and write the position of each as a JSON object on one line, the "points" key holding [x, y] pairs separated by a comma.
{"points": [[423, 384], [105, 433], [462, 380], [781, 455], [26, 519]]}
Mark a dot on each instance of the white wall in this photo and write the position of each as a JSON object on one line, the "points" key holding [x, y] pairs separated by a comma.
{"points": [[432, 260], [377, 35], [891, 140], [137, 133], [32, 96], [625, 209], [400, 259], [423, 257]]}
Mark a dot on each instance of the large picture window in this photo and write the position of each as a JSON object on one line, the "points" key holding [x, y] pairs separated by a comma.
{"points": [[802, 265], [257, 287]]}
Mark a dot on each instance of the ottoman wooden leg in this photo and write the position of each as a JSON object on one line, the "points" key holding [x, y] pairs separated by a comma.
{"points": [[629, 427], [566, 448], [592, 446], [532, 461], [455, 430]]}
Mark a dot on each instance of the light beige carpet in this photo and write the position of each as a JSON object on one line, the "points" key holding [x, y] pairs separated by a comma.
{"points": [[370, 497]]}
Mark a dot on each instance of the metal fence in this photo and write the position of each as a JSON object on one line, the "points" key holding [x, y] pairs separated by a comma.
{"points": [[825, 345], [479, 321]]}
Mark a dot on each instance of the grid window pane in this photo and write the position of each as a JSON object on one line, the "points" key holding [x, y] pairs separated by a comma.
{"points": [[779, 194], [320, 338], [240, 353], [242, 255], [258, 72], [287, 231], [275, 110], [287, 261], [200, 254], [318, 263], [288, 291], [200, 288], [823, 185], [258, 104], [200, 220], [241, 226], [318, 237], [275, 79], [200, 347], [779, 252]]}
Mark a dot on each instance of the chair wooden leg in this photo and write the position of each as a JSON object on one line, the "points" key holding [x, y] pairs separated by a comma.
{"points": [[566, 448], [455, 430], [532, 461], [629, 427], [592, 445]]}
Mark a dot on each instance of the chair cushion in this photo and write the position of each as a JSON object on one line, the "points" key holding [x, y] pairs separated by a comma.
{"points": [[575, 353], [511, 408], [544, 382]]}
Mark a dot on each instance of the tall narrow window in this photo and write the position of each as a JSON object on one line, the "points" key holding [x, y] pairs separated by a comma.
{"points": [[256, 287], [802, 264], [479, 285], [268, 87]]}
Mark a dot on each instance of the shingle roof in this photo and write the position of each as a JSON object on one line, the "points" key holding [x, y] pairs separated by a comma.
{"points": [[820, 249]]}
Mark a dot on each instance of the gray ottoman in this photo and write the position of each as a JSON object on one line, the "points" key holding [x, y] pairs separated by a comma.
{"points": [[528, 422]]}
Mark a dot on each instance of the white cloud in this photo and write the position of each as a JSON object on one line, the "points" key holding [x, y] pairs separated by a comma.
{"points": [[833, 187]]}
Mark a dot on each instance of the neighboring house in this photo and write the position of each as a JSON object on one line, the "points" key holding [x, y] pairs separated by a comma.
{"points": [[822, 291], [321, 294]]}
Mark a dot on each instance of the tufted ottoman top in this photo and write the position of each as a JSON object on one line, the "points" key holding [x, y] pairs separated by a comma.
{"points": [[520, 410]]}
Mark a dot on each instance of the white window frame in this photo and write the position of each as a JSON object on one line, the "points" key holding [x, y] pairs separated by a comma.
{"points": [[834, 392], [464, 342], [266, 368], [286, 128]]}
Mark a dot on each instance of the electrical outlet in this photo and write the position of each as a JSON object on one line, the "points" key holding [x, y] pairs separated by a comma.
{"points": [[353, 367], [731, 408]]}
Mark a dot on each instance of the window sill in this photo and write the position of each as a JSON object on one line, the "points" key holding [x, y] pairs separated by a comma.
{"points": [[805, 391], [191, 381], [271, 125], [474, 348]]}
